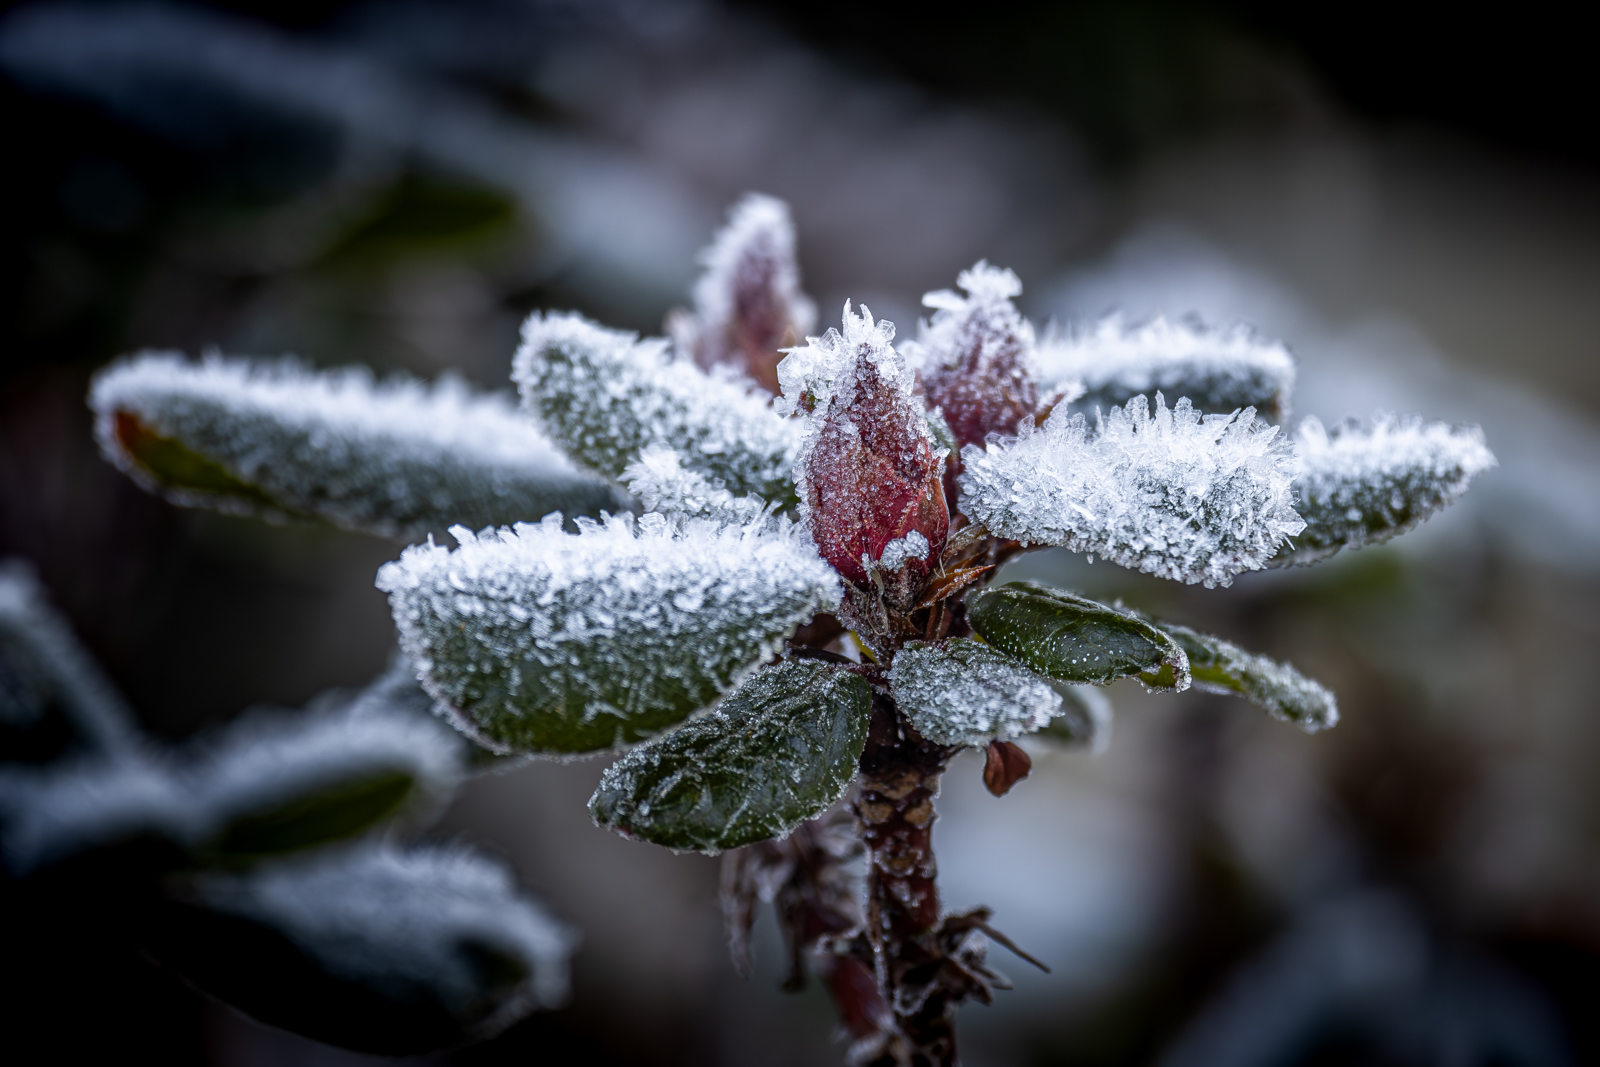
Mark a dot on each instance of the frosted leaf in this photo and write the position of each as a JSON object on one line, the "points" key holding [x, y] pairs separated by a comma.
{"points": [[748, 303], [53, 696], [1175, 494], [276, 439], [660, 481], [72, 806], [965, 693], [1364, 483], [1074, 639], [778, 750], [1084, 720], [1219, 666], [1218, 370], [607, 396], [868, 473], [275, 781], [270, 782], [535, 640], [421, 926]]}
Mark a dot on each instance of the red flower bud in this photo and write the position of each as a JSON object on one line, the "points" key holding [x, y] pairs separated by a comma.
{"points": [[748, 303], [975, 360], [870, 475]]}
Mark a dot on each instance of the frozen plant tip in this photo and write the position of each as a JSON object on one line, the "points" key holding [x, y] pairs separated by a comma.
{"points": [[784, 622]]}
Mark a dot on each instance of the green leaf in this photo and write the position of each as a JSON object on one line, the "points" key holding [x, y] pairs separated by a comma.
{"points": [[339, 810], [966, 693], [780, 749], [540, 641], [1073, 639], [279, 441], [1220, 666]]}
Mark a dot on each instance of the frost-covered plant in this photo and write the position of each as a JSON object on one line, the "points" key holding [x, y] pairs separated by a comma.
{"points": [[789, 626], [268, 864]]}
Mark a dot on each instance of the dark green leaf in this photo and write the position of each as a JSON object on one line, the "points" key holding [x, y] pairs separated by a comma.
{"points": [[965, 693], [1220, 666], [778, 750], [1073, 639], [336, 811]]}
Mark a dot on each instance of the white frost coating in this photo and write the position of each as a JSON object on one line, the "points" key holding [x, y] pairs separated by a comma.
{"points": [[395, 458], [1218, 370], [904, 549], [967, 694], [986, 312], [56, 811], [661, 483], [755, 250], [404, 920], [1364, 483], [607, 396], [1175, 494], [813, 373], [45, 661], [605, 613]]}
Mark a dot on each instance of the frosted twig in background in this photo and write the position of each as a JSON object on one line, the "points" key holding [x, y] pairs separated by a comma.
{"points": [[606, 396], [542, 641], [1218, 370], [748, 303], [1172, 493], [276, 439], [1364, 483]]}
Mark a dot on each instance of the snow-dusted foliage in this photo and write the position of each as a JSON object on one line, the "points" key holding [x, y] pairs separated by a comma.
{"points": [[45, 673], [1220, 666], [966, 693], [662, 483], [1218, 370], [869, 472], [747, 303], [1365, 482], [606, 396], [270, 782], [276, 439], [536, 640], [1172, 493], [410, 923]]}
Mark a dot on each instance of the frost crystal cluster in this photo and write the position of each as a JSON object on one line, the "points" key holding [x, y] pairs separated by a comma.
{"points": [[757, 566]]}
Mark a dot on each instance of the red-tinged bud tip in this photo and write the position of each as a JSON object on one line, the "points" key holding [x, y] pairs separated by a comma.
{"points": [[1004, 766], [870, 474]]}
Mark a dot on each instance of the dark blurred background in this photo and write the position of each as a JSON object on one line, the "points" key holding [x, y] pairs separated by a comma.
{"points": [[1408, 197]]}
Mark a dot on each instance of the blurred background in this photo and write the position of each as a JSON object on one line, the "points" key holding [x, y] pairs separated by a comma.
{"points": [[1411, 201]]}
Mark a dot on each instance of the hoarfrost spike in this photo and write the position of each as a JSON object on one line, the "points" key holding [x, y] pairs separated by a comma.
{"points": [[1191, 497], [1363, 483], [748, 303], [539, 641], [607, 396], [278, 440], [660, 481], [1218, 370]]}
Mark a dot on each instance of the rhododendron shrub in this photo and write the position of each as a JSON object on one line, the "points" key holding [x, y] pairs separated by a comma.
{"points": [[757, 566]]}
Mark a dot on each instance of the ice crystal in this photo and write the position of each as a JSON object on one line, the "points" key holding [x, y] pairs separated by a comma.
{"points": [[1364, 483], [660, 481], [869, 472], [1172, 493], [396, 458], [748, 303], [607, 396], [45, 673], [1218, 370], [538, 640], [407, 922], [965, 693]]}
